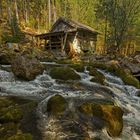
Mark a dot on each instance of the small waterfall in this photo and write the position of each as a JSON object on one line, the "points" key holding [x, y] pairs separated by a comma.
{"points": [[126, 98], [44, 87]]}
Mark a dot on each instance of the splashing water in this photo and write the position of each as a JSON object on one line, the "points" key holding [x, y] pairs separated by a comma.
{"points": [[44, 87]]}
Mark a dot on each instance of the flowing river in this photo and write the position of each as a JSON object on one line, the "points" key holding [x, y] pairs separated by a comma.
{"points": [[44, 87]]}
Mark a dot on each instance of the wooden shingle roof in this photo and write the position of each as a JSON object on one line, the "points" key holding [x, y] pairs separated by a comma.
{"points": [[73, 24]]}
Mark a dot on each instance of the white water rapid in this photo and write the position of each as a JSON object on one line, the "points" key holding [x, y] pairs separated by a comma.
{"points": [[43, 87]]}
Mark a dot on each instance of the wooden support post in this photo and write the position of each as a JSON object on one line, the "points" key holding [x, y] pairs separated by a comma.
{"points": [[50, 42], [62, 41], [38, 41], [65, 40], [32, 40], [45, 43]]}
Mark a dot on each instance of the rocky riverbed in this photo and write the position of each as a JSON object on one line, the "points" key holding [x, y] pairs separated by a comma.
{"points": [[71, 102], [64, 99]]}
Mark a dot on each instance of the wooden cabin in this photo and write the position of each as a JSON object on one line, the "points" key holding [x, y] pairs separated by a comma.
{"points": [[70, 37]]}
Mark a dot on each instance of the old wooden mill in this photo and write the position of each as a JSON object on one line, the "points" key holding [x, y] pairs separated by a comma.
{"points": [[67, 35]]}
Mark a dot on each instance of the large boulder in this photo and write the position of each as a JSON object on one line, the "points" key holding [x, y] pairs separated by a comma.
{"points": [[133, 66], [56, 105], [14, 113], [26, 67], [64, 73], [78, 67], [11, 113], [97, 76], [112, 115], [123, 73], [6, 55]]}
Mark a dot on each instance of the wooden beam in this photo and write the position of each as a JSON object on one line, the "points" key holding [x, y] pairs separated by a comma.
{"points": [[45, 42], [38, 41], [62, 43], [50, 42], [65, 40]]}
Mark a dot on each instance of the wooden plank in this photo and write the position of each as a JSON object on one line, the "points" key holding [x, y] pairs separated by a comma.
{"points": [[45, 42], [53, 47], [65, 40], [50, 42], [62, 41], [59, 42]]}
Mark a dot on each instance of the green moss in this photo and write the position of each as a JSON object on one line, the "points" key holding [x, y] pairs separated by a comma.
{"points": [[8, 130], [11, 113], [97, 65], [126, 76], [78, 67], [98, 76], [69, 61], [131, 80], [6, 55], [14, 110], [65, 61], [87, 108], [4, 102], [56, 105], [112, 115], [64, 73], [25, 136]]}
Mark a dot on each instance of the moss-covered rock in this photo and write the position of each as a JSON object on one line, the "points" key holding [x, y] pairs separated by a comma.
{"points": [[98, 65], [78, 67], [130, 80], [56, 105], [4, 102], [124, 74], [13, 110], [65, 61], [111, 114], [11, 113], [68, 61], [98, 76], [6, 55], [64, 73], [25, 136], [8, 130]]}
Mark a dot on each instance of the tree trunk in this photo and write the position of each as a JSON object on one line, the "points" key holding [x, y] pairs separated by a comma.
{"points": [[16, 10], [50, 12], [54, 10], [105, 35], [8, 12], [26, 11], [1, 11]]}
